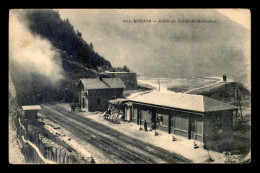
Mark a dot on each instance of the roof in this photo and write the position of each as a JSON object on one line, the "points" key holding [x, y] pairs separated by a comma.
{"points": [[117, 101], [105, 83], [183, 101], [31, 107], [109, 72]]}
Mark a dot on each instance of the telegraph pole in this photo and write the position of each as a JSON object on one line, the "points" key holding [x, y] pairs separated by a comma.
{"points": [[159, 83], [239, 104], [73, 92]]}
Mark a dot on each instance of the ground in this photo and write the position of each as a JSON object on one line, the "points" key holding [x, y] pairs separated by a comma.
{"points": [[14, 151]]}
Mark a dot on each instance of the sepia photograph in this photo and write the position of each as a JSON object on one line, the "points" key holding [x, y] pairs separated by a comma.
{"points": [[129, 86]]}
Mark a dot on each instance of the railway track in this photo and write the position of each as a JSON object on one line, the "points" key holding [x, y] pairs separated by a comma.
{"points": [[115, 144], [109, 148], [159, 152]]}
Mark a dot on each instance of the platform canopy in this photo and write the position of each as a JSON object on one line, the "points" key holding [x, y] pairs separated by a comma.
{"points": [[117, 101], [31, 107]]}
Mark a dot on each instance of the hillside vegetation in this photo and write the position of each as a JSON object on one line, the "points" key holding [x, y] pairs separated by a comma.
{"points": [[227, 93]]}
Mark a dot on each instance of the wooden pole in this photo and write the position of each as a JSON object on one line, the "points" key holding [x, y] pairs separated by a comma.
{"points": [[63, 158], [159, 84], [48, 153], [56, 155], [25, 156], [66, 157], [59, 155]]}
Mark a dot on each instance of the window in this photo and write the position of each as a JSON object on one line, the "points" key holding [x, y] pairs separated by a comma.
{"points": [[218, 124], [98, 101], [218, 120]]}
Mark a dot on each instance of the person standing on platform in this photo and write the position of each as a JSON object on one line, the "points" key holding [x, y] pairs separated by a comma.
{"points": [[145, 126]]}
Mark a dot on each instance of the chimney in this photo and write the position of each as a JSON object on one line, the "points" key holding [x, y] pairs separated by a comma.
{"points": [[100, 78], [224, 77]]}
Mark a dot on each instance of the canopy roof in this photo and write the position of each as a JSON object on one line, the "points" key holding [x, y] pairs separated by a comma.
{"points": [[181, 101], [117, 101]]}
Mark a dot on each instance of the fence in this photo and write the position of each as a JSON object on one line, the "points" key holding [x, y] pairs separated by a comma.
{"points": [[36, 151]]}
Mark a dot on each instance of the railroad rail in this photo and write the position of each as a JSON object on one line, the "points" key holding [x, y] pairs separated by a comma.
{"points": [[108, 147], [114, 147]]}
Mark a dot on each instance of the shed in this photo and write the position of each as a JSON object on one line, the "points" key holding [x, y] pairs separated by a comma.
{"points": [[30, 111]]}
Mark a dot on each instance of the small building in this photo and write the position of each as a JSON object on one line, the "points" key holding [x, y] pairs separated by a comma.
{"points": [[192, 116], [94, 93], [30, 112], [224, 77], [129, 79]]}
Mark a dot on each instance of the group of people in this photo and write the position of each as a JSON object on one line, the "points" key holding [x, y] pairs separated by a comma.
{"points": [[153, 125], [145, 128]]}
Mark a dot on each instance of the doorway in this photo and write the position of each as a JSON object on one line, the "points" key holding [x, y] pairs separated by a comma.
{"points": [[83, 102], [139, 117], [153, 119], [191, 129], [128, 113]]}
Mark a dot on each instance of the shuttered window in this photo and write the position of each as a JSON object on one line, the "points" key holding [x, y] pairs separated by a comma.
{"points": [[146, 116], [199, 125], [165, 120], [181, 123], [135, 113], [98, 101]]}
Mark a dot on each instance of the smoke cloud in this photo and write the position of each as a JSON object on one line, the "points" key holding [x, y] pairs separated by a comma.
{"points": [[34, 64], [30, 55]]}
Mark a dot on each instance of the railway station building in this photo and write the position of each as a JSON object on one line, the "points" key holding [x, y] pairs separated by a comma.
{"points": [[191, 116], [94, 93]]}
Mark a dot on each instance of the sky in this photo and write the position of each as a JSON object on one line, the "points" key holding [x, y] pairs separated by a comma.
{"points": [[178, 49], [241, 16]]}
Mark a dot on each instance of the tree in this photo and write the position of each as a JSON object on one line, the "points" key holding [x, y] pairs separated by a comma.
{"points": [[125, 68], [79, 34], [91, 46]]}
